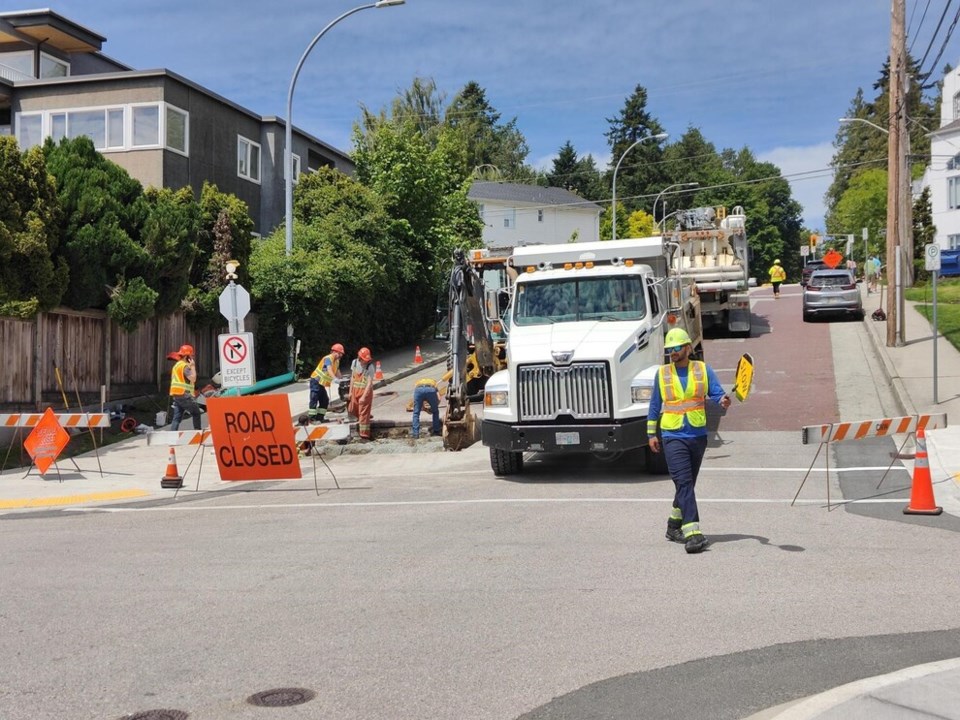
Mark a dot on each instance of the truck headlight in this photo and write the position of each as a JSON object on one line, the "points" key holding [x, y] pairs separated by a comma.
{"points": [[496, 398], [641, 393]]}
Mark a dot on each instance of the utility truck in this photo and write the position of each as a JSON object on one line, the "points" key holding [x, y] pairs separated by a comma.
{"points": [[586, 327], [712, 250]]}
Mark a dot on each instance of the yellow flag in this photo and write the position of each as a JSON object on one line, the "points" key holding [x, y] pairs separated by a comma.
{"points": [[744, 379]]}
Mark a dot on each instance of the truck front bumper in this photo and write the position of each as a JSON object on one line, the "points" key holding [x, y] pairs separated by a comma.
{"points": [[565, 438]]}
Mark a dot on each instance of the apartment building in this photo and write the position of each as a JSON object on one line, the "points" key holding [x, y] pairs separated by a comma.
{"points": [[164, 129]]}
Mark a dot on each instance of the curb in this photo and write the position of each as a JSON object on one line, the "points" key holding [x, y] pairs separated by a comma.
{"points": [[899, 391]]}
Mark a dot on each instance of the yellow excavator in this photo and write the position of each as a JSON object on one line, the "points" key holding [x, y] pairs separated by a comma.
{"points": [[478, 295]]}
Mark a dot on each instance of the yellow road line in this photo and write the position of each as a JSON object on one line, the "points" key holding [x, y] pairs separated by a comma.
{"points": [[71, 499]]}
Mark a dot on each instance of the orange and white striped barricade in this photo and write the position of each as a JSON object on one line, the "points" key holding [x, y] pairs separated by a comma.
{"points": [[88, 420], [862, 429], [314, 433]]}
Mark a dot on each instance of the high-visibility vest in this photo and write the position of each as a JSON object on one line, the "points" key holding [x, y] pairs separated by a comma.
{"points": [[680, 402], [777, 274], [426, 382], [179, 385], [326, 378], [361, 376]]}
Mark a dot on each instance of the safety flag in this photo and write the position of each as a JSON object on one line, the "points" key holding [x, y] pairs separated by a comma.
{"points": [[744, 380]]}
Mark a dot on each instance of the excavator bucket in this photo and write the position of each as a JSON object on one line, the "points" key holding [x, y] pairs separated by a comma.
{"points": [[461, 432]]}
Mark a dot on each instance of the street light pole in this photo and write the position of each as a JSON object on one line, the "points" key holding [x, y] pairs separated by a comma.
{"points": [[669, 187], [613, 203], [288, 138]]}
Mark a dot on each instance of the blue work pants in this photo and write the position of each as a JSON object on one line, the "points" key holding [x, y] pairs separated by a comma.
{"points": [[683, 456], [428, 394]]}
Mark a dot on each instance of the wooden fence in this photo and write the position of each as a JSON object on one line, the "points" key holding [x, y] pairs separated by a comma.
{"points": [[89, 351]]}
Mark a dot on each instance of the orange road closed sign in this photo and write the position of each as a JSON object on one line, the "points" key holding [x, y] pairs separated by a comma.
{"points": [[46, 441], [253, 438], [832, 259]]}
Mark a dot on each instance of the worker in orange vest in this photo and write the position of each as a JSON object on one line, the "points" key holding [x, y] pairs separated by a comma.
{"points": [[182, 391], [327, 370], [360, 400]]}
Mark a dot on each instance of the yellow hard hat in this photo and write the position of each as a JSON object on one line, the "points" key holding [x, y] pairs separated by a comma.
{"points": [[777, 261], [677, 336]]}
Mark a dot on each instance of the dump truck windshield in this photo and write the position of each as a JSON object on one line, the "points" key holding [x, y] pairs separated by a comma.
{"points": [[607, 299]]}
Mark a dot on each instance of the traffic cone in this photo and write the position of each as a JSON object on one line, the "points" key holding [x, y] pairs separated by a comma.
{"points": [[378, 375], [921, 496], [172, 478], [417, 357]]}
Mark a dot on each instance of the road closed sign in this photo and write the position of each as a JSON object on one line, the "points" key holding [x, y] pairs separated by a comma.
{"points": [[253, 437], [237, 368]]}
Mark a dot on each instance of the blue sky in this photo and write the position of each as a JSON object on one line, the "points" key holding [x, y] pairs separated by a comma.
{"points": [[773, 75]]}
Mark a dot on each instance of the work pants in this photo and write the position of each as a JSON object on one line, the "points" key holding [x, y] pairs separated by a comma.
{"points": [[429, 395], [361, 407], [683, 456], [185, 405], [319, 400]]}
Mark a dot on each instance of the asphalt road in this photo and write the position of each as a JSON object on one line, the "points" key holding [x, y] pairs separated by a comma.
{"points": [[427, 588]]}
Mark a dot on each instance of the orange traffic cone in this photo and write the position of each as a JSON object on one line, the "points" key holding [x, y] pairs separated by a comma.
{"points": [[417, 357], [172, 478], [378, 375], [921, 496]]}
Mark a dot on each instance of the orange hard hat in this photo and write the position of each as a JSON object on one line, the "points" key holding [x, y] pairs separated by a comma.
{"points": [[365, 354], [337, 347], [186, 350]]}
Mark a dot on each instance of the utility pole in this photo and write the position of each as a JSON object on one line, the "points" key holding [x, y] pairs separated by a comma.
{"points": [[895, 158]]}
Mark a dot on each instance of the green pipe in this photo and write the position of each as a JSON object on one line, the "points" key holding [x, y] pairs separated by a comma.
{"points": [[266, 384]]}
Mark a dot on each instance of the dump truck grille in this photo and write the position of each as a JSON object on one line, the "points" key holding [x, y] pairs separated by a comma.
{"points": [[581, 390]]}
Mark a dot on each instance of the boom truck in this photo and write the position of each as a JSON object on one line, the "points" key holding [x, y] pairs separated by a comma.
{"points": [[712, 250], [586, 329]]}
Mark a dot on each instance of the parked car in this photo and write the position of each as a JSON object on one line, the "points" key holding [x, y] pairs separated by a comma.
{"points": [[832, 292], [808, 270]]}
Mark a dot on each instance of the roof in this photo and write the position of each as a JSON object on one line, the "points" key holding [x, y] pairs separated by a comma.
{"points": [[948, 128], [46, 26], [531, 194]]}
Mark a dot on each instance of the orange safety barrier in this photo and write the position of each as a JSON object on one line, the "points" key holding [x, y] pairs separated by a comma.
{"points": [[921, 494], [836, 432], [77, 420]]}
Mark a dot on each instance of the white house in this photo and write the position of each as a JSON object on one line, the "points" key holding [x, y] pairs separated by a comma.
{"points": [[515, 215], [943, 173]]}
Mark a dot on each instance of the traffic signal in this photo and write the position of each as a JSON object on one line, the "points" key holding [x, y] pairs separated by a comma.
{"points": [[813, 242]]}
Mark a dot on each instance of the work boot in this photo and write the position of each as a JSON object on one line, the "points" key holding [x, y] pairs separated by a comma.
{"points": [[695, 543], [674, 533]]}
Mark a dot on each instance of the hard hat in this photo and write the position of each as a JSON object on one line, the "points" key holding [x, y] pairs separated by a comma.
{"points": [[777, 261], [337, 347], [186, 350], [365, 355], [677, 336]]}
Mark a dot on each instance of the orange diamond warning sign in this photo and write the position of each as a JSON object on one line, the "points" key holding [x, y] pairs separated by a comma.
{"points": [[832, 259], [46, 441]]}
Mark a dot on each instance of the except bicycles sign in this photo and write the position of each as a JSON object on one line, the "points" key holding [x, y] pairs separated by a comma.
{"points": [[236, 360]]}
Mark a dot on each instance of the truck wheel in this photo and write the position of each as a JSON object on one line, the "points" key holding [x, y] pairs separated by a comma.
{"points": [[656, 462], [505, 462]]}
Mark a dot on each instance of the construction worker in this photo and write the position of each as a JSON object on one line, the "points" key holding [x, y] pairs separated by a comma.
{"points": [[425, 391], [327, 370], [678, 406], [777, 276], [360, 400], [182, 392]]}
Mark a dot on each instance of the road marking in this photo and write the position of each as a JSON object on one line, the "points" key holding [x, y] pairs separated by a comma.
{"points": [[71, 499], [487, 501]]}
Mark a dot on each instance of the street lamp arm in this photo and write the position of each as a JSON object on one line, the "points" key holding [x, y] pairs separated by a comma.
{"points": [[669, 187], [866, 122], [613, 202]]}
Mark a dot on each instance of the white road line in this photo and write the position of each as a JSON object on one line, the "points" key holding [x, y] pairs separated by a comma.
{"points": [[487, 501]]}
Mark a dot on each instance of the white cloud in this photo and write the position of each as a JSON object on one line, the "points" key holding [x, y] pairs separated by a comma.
{"points": [[808, 171]]}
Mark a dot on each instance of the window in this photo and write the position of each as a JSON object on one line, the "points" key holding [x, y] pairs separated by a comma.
{"points": [[146, 125], [177, 134], [115, 127], [510, 218], [953, 242], [248, 159], [29, 130], [17, 65], [956, 106], [953, 192], [954, 162], [295, 163], [539, 215], [51, 67]]}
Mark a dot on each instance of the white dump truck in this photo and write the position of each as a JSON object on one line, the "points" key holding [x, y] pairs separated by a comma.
{"points": [[712, 250], [586, 327]]}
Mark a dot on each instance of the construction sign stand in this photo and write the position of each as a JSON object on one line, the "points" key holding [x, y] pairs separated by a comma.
{"points": [[172, 478], [48, 436], [837, 432]]}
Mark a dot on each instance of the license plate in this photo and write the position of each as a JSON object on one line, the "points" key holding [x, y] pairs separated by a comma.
{"points": [[568, 438]]}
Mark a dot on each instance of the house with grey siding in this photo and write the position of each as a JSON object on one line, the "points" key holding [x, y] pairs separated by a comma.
{"points": [[164, 129], [515, 215]]}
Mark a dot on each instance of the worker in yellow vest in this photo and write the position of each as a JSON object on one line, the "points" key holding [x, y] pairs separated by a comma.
{"points": [[426, 391], [182, 380], [777, 276], [360, 400], [678, 406], [322, 377]]}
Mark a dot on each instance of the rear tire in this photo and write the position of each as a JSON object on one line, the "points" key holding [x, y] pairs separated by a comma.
{"points": [[505, 462]]}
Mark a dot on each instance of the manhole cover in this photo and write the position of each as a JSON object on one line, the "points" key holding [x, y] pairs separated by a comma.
{"points": [[157, 715], [281, 697]]}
